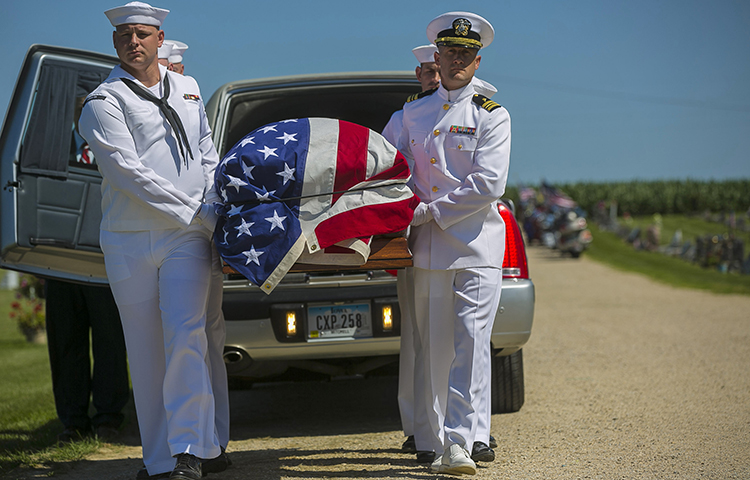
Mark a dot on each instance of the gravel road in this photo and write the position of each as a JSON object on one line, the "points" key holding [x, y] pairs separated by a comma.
{"points": [[625, 379]]}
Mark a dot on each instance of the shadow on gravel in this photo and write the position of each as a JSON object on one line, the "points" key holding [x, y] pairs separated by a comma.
{"points": [[340, 407]]}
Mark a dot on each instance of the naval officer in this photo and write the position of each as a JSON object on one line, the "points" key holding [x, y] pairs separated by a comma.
{"points": [[459, 143], [428, 75], [149, 131]]}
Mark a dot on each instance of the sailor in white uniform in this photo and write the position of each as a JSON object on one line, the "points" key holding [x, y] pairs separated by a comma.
{"points": [[176, 55], [429, 78], [149, 131], [459, 143], [164, 52]]}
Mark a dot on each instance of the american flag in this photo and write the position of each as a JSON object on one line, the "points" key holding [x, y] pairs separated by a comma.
{"points": [[312, 190]]}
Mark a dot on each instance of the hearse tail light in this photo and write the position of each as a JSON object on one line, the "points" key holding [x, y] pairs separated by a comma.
{"points": [[291, 323], [514, 262], [288, 322], [387, 318]]}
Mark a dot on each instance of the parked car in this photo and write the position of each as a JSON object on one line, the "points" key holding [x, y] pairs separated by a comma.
{"points": [[50, 214]]}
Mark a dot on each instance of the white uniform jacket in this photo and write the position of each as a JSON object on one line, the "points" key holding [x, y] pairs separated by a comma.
{"points": [[394, 126], [146, 184], [460, 149]]}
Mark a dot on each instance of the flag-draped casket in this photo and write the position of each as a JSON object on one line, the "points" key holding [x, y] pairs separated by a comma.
{"points": [[309, 190]]}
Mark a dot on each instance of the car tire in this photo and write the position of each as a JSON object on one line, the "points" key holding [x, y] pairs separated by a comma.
{"points": [[507, 383]]}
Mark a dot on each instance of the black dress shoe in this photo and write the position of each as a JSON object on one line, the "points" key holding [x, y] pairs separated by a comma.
{"points": [[106, 433], [493, 442], [70, 435], [480, 452], [410, 445], [143, 475], [425, 456], [216, 465], [188, 468]]}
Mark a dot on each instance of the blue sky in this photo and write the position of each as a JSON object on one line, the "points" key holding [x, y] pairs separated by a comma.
{"points": [[597, 90]]}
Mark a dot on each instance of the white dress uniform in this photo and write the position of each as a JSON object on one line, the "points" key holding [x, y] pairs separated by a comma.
{"points": [[459, 142], [159, 262], [405, 287]]}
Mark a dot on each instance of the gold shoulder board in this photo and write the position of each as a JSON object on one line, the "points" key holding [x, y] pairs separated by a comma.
{"points": [[485, 102], [419, 95]]}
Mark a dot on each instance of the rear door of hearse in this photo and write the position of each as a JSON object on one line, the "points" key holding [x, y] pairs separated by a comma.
{"points": [[51, 189]]}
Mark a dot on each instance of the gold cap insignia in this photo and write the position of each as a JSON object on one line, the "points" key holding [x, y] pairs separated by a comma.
{"points": [[461, 26]]}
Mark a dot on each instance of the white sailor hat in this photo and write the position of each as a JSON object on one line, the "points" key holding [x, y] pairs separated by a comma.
{"points": [[178, 48], [165, 50], [460, 29], [425, 53], [136, 12]]}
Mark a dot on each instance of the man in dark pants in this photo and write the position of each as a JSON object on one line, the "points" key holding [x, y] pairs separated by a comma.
{"points": [[73, 311]]}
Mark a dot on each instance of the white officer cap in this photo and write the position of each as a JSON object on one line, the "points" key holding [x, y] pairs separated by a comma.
{"points": [[178, 49], [165, 50], [460, 29], [136, 12], [425, 53]]}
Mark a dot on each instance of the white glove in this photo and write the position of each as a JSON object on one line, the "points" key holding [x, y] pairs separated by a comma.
{"points": [[422, 215], [207, 217]]}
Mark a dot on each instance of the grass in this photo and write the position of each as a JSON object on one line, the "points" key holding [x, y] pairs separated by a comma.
{"points": [[28, 421], [611, 250], [691, 227]]}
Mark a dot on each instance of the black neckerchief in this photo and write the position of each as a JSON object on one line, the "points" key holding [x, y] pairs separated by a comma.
{"points": [[166, 109]]}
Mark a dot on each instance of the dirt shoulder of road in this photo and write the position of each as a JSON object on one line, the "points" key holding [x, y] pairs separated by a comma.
{"points": [[625, 378]]}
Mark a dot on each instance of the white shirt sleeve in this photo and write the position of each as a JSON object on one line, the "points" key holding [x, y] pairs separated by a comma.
{"points": [[209, 160]]}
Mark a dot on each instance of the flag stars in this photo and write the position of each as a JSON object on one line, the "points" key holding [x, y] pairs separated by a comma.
{"points": [[244, 228], [236, 182], [264, 197], [288, 173], [229, 158], [269, 128], [267, 152], [253, 255], [287, 137], [276, 221], [234, 210], [247, 140], [248, 169]]}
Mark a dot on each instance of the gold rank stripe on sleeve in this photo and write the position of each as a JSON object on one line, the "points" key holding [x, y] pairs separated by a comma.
{"points": [[419, 95], [485, 102]]}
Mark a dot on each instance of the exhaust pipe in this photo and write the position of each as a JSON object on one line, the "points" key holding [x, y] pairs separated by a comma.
{"points": [[233, 356]]}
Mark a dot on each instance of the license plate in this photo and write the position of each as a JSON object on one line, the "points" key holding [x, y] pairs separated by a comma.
{"points": [[339, 321]]}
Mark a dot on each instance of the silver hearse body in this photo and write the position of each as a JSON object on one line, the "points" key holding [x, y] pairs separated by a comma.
{"points": [[50, 213]]}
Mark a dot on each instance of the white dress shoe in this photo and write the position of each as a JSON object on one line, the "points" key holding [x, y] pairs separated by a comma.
{"points": [[457, 461], [436, 464]]}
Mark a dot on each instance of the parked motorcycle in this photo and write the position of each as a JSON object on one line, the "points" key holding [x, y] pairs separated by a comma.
{"points": [[555, 220], [571, 234]]}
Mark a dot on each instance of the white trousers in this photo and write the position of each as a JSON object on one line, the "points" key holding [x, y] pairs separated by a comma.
{"points": [[405, 288], [160, 281], [216, 334], [454, 314]]}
